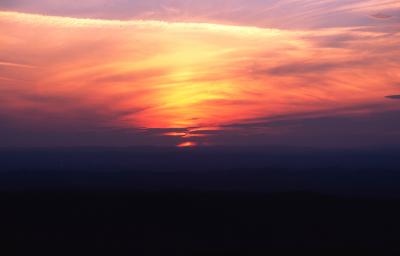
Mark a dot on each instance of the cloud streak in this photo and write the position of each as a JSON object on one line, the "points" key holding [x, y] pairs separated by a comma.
{"points": [[393, 97]]}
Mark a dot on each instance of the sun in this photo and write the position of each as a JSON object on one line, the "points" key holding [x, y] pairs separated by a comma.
{"points": [[188, 144]]}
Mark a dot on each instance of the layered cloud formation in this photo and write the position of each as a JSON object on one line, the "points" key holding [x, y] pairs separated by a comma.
{"points": [[191, 73]]}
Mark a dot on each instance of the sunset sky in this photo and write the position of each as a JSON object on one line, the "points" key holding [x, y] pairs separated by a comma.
{"points": [[213, 72]]}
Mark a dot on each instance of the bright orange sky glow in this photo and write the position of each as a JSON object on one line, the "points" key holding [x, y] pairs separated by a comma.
{"points": [[199, 77]]}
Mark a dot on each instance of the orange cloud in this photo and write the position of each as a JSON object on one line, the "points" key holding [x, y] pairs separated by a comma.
{"points": [[153, 74]]}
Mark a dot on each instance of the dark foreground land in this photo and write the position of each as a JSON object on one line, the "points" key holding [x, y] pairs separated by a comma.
{"points": [[202, 223], [96, 202]]}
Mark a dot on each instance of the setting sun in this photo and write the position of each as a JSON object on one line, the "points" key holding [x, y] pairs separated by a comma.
{"points": [[187, 144]]}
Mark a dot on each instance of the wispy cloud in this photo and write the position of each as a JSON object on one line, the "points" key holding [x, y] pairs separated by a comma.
{"points": [[14, 65]]}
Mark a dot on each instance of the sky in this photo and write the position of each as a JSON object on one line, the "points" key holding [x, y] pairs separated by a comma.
{"points": [[200, 73]]}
